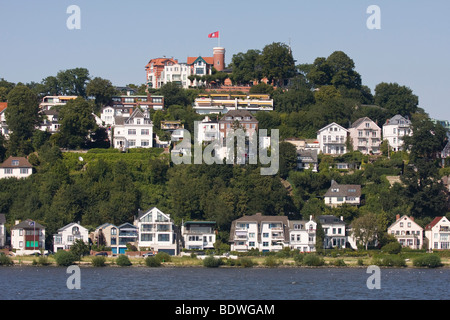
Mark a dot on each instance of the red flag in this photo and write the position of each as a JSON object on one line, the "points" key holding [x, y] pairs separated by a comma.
{"points": [[214, 35]]}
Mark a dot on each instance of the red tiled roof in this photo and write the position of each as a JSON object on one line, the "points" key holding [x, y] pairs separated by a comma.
{"points": [[433, 223], [208, 60], [3, 106]]}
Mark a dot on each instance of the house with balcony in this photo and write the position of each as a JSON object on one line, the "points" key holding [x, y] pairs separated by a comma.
{"points": [[198, 235], [221, 103], [48, 102], [50, 121], [157, 231], [437, 233], [27, 237], [307, 160], [68, 235], [15, 167], [339, 194], [265, 233], [395, 129], [106, 235], [207, 130], [407, 232], [332, 139], [302, 235], [365, 136], [135, 131], [334, 229], [127, 233]]}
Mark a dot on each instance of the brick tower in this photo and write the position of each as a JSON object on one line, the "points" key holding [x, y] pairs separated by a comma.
{"points": [[219, 58]]}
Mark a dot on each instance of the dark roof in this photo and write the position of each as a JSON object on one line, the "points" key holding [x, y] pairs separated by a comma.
{"points": [[433, 223], [27, 224], [239, 113], [308, 154], [361, 120], [343, 190], [2, 218], [329, 219], [259, 218], [22, 163]]}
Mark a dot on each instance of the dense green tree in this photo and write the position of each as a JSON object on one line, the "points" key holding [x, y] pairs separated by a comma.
{"points": [[102, 90], [246, 67], [77, 122], [277, 63], [22, 117], [73, 81], [396, 99]]}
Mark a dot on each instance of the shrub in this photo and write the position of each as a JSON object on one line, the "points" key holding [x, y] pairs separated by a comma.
{"points": [[244, 262], [313, 260], [98, 261], [123, 261], [339, 263], [5, 260], [271, 261], [429, 260], [392, 248], [163, 257], [389, 261], [152, 262], [42, 261], [211, 262], [65, 258], [298, 258], [360, 262]]}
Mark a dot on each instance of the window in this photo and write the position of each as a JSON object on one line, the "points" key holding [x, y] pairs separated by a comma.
{"points": [[251, 235], [132, 131], [113, 231], [145, 143], [145, 132], [265, 235], [15, 162], [146, 237], [265, 244], [8, 171], [164, 237], [251, 244], [132, 143], [23, 170]]}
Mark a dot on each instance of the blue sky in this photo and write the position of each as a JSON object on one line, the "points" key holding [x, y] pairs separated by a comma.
{"points": [[118, 38]]}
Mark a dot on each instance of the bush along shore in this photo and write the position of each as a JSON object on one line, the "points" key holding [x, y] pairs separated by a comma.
{"points": [[284, 258]]}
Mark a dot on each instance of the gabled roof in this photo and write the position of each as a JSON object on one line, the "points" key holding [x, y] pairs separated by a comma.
{"points": [[70, 225], [329, 219], [433, 223], [403, 218], [259, 218], [207, 60], [3, 106], [397, 119], [21, 163], [144, 213], [28, 224], [238, 113], [358, 122], [343, 190], [308, 154], [330, 125], [161, 62]]}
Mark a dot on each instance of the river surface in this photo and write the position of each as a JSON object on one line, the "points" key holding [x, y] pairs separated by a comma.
{"points": [[197, 283]]}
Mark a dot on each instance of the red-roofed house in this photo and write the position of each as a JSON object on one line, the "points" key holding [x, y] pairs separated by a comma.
{"points": [[438, 234], [3, 125]]}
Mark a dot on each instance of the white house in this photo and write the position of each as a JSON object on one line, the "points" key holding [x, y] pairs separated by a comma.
{"points": [[15, 167], [68, 235], [307, 159], [302, 235], [334, 229], [265, 233], [133, 132], [198, 234], [156, 231], [27, 237], [395, 129], [332, 139], [438, 234], [2, 230], [407, 232], [338, 194]]}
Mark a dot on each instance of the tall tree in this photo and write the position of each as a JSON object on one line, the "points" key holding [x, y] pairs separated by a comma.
{"points": [[22, 117], [277, 63], [102, 90], [73, 81], [396, 99], [77, 122], [246, 67]]}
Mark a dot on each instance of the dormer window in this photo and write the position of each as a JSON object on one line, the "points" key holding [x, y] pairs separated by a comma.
{"points": [[15, 162]]}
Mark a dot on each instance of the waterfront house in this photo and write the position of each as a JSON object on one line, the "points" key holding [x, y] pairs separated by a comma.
{"points": [[106, 235], [332, 139], [135, 131], [407, 232], [302, 235], [15, 167], [437, 233], [338, 194], [365, 136], [334, 229], [395, 129], [127, 235], [27, 237], [199, 235], [156, 231], [2, 230], [265, 233], [68, 235]]}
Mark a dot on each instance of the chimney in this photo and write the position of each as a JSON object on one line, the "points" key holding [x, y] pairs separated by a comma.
{"points": [[342, 218], [310, 217], [17, 222], [412, 218], [397, 217]]}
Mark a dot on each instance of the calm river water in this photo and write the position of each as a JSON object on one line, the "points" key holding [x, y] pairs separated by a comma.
{"points": [[143, 283]]}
